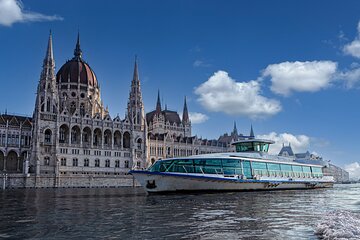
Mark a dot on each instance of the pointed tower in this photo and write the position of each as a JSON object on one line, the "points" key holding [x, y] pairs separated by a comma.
{"points": [[234, 133], [252, 136], [186, 120], [158, 104], [77, 50], [135, 103], [45, 115], [185, 117]]}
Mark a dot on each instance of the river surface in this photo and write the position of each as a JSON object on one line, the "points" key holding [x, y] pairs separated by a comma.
{"points": [[128, 213]]}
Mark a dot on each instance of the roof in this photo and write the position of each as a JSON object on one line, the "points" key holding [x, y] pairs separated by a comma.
{"points": [[287, 149], [171, 116], [15, 120]]}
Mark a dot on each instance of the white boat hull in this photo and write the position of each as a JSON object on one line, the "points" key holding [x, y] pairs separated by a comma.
{"points": [[154, 182]]}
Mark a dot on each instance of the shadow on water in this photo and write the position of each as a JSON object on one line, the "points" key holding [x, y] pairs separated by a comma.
{"points": [[129, 213]]}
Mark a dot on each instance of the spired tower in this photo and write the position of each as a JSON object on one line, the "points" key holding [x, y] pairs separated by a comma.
{"points": [[136, 116], [186, 120], [45, 115]]}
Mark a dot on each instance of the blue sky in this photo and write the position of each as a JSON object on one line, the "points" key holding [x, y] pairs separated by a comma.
{"points": [[289, 68]]}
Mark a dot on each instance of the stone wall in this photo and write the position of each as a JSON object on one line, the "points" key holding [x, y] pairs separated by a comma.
{"points": [[22, 181]]}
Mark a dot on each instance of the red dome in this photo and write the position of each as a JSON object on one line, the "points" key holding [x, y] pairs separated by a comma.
{"points": [[76, 71]]}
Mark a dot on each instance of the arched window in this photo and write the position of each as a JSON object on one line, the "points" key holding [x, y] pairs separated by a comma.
{"points": [[63, 162], [86, 136], [47, 138], [82, 109], [107, 137], [107, 163], [126, 140], [97, 163], [126, 165], [72, 107], [75, 135], [139, 141], [48, 105], [46, 161], [64, 134], [97, 137], [86, 162], [75, 162], [117, 139]]}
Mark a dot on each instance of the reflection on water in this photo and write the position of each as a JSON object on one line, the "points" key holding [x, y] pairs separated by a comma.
{"points": [[128, 213]]}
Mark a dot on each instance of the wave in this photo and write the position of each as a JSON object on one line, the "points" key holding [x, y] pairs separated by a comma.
{"points": [[339, 224]]}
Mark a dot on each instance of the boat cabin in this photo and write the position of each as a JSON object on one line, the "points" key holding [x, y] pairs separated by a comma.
{"points": [[253, 145]]}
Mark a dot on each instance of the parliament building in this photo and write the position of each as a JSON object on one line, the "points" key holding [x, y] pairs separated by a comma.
{"points": [[72, 141]]}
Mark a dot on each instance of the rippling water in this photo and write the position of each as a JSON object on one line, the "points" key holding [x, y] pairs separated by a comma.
{"points": [[128, 213]]}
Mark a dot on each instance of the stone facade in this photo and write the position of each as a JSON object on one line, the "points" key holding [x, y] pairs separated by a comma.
{"points": [[72, 141]]}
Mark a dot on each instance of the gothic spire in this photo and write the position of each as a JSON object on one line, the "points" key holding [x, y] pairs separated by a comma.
{"points": [[136, 80], [252, 136], [77, 51], [158, 103], [49, 57], [235, 132], [185, 117]]}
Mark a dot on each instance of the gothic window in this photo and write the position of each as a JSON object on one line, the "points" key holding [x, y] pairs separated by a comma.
{"points": [[97, 163], [107, 137], [117, 139], [126, 140], [46, 161], [63, 134], [75, 135], [86, 135], [117, 163], [42, 107], [47, 136], [48, 105], [138, 164], [107, 163], [72, 107], [139, 141], [97, 137], [82, 109], [75, 162], [63, 162], [126, 164], [86, 162]]}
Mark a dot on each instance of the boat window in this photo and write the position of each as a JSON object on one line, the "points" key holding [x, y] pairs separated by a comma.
{"points": [[247, 169], [245, 147], [286, 167], [160, 166], [231, 167], [316, 169], [306, 169], [297, 168], [259, 165], [182, 166], [273, 167]]}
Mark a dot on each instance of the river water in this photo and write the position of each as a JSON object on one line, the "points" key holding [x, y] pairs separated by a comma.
{"points": [[128, 213]]}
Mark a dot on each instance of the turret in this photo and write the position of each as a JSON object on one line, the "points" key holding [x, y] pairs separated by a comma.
{"points": [[185, 117]]}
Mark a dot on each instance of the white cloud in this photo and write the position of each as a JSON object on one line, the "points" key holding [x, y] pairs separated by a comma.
{"points": [[221, 93], [299, 143], [287, 77], [11, 11], [354, 170], [200, 63], [351, 77], [197, 118], [353, 48]]}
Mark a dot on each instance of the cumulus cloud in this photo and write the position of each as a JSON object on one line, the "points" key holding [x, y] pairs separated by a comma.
{"points": [[354, 170], [196, 117], [221, 93], [287, 77], [12, 11], [353, 48], [351, 77], [200, 63], [299, 143]]}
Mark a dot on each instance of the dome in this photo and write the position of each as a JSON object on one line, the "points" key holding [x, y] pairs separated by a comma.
{"points": [[77, 70]]}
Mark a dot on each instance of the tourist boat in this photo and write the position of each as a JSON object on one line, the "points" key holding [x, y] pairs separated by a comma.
{"points": [[249, 168]]}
